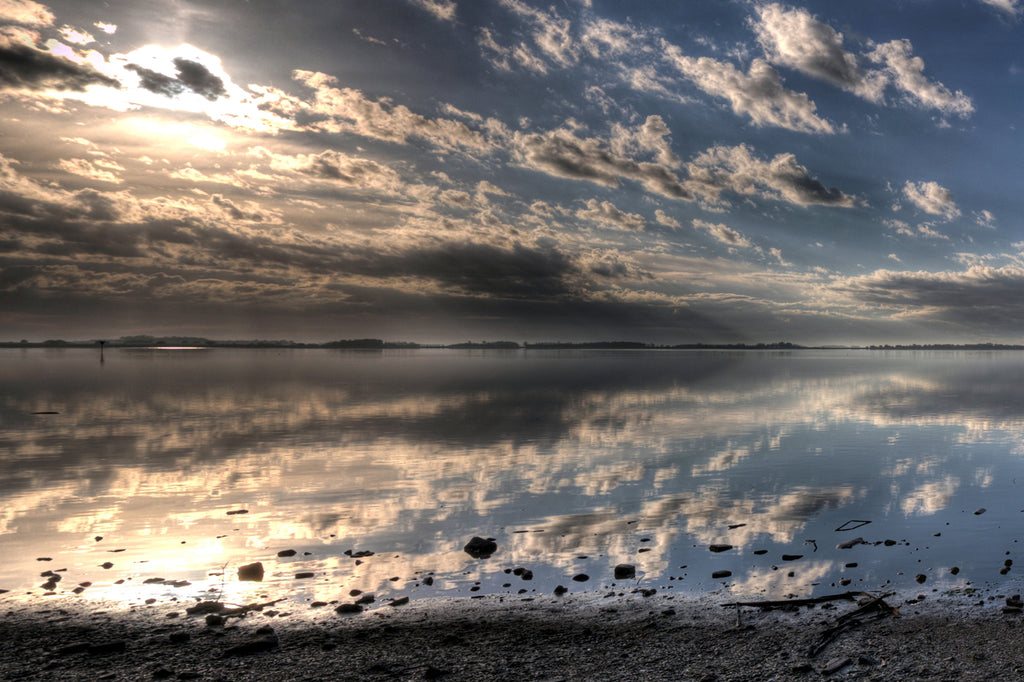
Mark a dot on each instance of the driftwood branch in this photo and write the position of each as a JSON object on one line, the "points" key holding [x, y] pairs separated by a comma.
{"points": [[790, 603]]}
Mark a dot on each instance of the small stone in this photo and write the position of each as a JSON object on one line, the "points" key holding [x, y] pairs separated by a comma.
{"points": [[760, 552], [349, 608], [400, 601], [581, 577], [265, 630], [106, 564], [235, 512], [625, 572], [849, 544], [213, 620], [304, 575], [836, 664], [366, 599], [792, 557], [44, 558], [920, 577], [955, 570], [845, 581], [252, 572], [480, 548], [720, 548], [889, 543], [317, 604], [254, 647], [852, 565], [287, 553], [979, 512], [560, 590], [721, 574], [429, 580]]}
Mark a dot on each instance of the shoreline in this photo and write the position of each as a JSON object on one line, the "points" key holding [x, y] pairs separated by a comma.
{"points": [[583, 636]]}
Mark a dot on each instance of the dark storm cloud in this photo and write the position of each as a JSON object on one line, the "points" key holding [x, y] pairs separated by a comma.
{"points": [[983, 296], [23, 66], [191, 76]]}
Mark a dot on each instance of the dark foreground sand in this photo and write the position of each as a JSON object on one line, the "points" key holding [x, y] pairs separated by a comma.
{"points": [[589, 636]]}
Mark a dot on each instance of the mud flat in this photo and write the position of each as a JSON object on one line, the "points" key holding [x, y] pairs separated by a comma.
{"points": [[966, 635]]}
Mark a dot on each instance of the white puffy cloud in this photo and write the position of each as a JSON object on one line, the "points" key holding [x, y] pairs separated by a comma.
{"points": [[795, 39], [723, 233], [1009, 6], [931, 198], [758, 93], [25, 12], [441, 9], [608, 215]]}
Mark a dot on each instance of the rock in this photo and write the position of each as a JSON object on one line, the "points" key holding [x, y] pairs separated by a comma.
{"points": [[890, 543], [349, 608], [920, 577], [560, 590], [287, 552], [849, 544], [251, 572], [721, 574], [238, 511], [304, 575], [265, 630], [836, 664], [179, 637], [581, 577], [648, 592], [214, 620], [852, 564], [69, 649], [480, 548], [115, 646], [954, 570], [792, 557], [255, 646], [205, 607], [106, 564], [845, 581], [400, 601], [44, 558], [428, 581], [432, 673], [760, 552], [317, 604], [625, 572], [720, 548], [366, 599], [1015, 600], [979, 512]]}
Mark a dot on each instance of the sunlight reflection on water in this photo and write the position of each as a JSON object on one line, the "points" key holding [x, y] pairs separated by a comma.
{"points": [[573, 461]]}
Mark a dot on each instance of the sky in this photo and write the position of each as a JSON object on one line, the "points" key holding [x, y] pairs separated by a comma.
{"points": [[452, 170]]}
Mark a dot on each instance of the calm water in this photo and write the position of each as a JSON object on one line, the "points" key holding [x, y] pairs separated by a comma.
{"points": [[573, 461]]}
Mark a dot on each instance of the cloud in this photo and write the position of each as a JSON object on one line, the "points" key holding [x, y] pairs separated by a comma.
{"points": [[906, 73], [982, 295], [25, 67], [605, 213], [88, 169], [931, 198], [1008, 6], [782, 178], [333, 166], [663, 218], [336, 110], [795, 39], [441, 9], [552, 33], [25, 12], [191, 75], [758, 94], [563, 154], [723, 233], [109, 29], [75, 36]]}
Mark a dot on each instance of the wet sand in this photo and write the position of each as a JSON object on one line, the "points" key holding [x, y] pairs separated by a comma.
{"points": [[580, 636]]}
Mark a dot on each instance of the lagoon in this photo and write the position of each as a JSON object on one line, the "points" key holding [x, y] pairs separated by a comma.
{"points": [[184, 464]]}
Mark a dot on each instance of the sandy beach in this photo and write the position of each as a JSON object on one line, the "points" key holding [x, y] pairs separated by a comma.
{"points": [[614, 635]]}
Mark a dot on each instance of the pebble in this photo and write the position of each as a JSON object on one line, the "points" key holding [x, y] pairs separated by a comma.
{"points": [[349, 608], [720, 548], [287, 553], [625, 571], [721, 574], [480, 548], [581, 577], [251, 572]]}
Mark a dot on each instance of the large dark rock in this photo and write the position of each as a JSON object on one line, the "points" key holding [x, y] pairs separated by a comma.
{"points": [[481, 548], [251, 572], [720, 548], [625, 572]]}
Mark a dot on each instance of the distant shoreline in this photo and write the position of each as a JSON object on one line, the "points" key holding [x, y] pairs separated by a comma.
{"points": [[183, 342]]}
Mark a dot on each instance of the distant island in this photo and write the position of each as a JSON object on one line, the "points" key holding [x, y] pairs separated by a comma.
{"points": [[148, 341]]}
